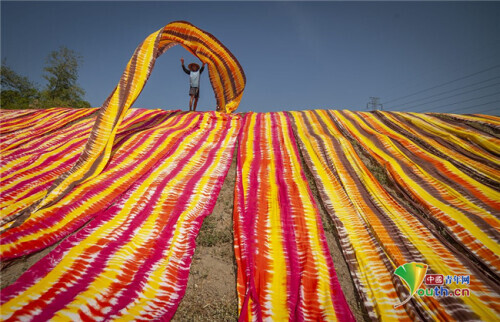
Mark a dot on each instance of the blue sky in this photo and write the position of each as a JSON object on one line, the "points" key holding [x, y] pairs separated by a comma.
{"points": [[415, 56]]}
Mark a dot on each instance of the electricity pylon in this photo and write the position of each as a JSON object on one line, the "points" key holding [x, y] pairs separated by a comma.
{"points": [[374, 104]]}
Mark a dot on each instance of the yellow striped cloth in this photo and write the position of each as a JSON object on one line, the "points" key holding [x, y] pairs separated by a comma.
{"points": [[285, 271], [226, 75], [131, 261], [379, 232]]}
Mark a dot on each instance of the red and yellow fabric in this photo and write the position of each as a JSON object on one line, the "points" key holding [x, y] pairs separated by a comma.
{"points": [[470, 218], [488, 120], [35, 165], [131, 261], [462, 156], [28, 169], [22, 130], [482, 145], [285, 271], [9, 117], [492, 118], [378, 233], [226, 75]]}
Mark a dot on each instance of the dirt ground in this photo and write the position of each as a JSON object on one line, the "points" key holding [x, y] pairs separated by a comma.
{"points": [[11, 270], [211, 290]]}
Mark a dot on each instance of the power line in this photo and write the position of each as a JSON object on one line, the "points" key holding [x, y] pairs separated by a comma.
{"points": [[480, 51], [464, 108], [493, 109], [443, 84], [453, 90], [447, 97], [472, 99], [374, 104]]}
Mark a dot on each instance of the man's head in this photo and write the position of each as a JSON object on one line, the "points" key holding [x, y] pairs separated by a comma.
{"points": [[193, 67]]}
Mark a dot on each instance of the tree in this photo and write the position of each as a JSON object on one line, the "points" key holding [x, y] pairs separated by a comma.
{"points": [[61, 73], [62, 90], [18, 92]]}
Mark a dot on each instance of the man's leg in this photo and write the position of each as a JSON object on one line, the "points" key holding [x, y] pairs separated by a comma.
{"points": [[195, 103], [190, 102]]}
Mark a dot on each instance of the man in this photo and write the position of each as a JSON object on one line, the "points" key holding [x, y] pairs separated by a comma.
{"points": [[194, 73]]}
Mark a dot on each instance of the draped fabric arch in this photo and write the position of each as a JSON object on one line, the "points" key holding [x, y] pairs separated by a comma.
{"points": [[226, 75]]}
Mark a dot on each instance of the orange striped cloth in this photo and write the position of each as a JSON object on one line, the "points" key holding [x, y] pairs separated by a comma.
{"points": [[378, 233], [455, 201], [226, 75], [285, 271], [131, 261], [28, 169]]}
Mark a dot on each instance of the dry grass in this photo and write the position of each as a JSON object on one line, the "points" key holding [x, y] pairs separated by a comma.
{"points": [[211, 291]]}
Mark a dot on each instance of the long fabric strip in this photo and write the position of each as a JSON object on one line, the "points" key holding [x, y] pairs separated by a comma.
{"points": [[42, 123], [30, 168], [486, 144], [495, 119], [34, 167], [226, 75], [285, 271], [439, 143], [465, 208], [132, 260], [11, 116], [482, 118], [378, 233]]}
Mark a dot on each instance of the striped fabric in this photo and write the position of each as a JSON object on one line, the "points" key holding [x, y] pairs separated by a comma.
{"points": [[43, 145], [459, 204], [29, 143], [131, 261], [29, 169], [22, 128], [225, 72], [226, 75], [12, 116], [492, 118], [487, 120], [466, 154], [378, 233], [285, 271], [438, 204]]}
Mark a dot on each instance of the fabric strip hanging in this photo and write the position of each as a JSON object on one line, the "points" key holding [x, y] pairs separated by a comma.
{"points": [[226, 75]]}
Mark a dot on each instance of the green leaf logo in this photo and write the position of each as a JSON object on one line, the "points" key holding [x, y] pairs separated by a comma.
{"points": [[412, 274]]}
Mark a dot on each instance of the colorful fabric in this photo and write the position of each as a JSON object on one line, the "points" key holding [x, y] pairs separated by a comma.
{"points": [[29, 169], [487, 120], [461, 153], [36, 148], [285, 271], [437, 205], [226, 75], [462, 206], [378, 233], [456, 131], [131, 261], [19, 128]]}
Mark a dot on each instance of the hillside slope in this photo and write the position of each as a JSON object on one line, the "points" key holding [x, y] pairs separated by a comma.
{"points": [[387, 189]]}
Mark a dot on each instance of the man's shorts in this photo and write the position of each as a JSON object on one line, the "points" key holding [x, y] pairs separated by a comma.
{"points": [[194, 91]]}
